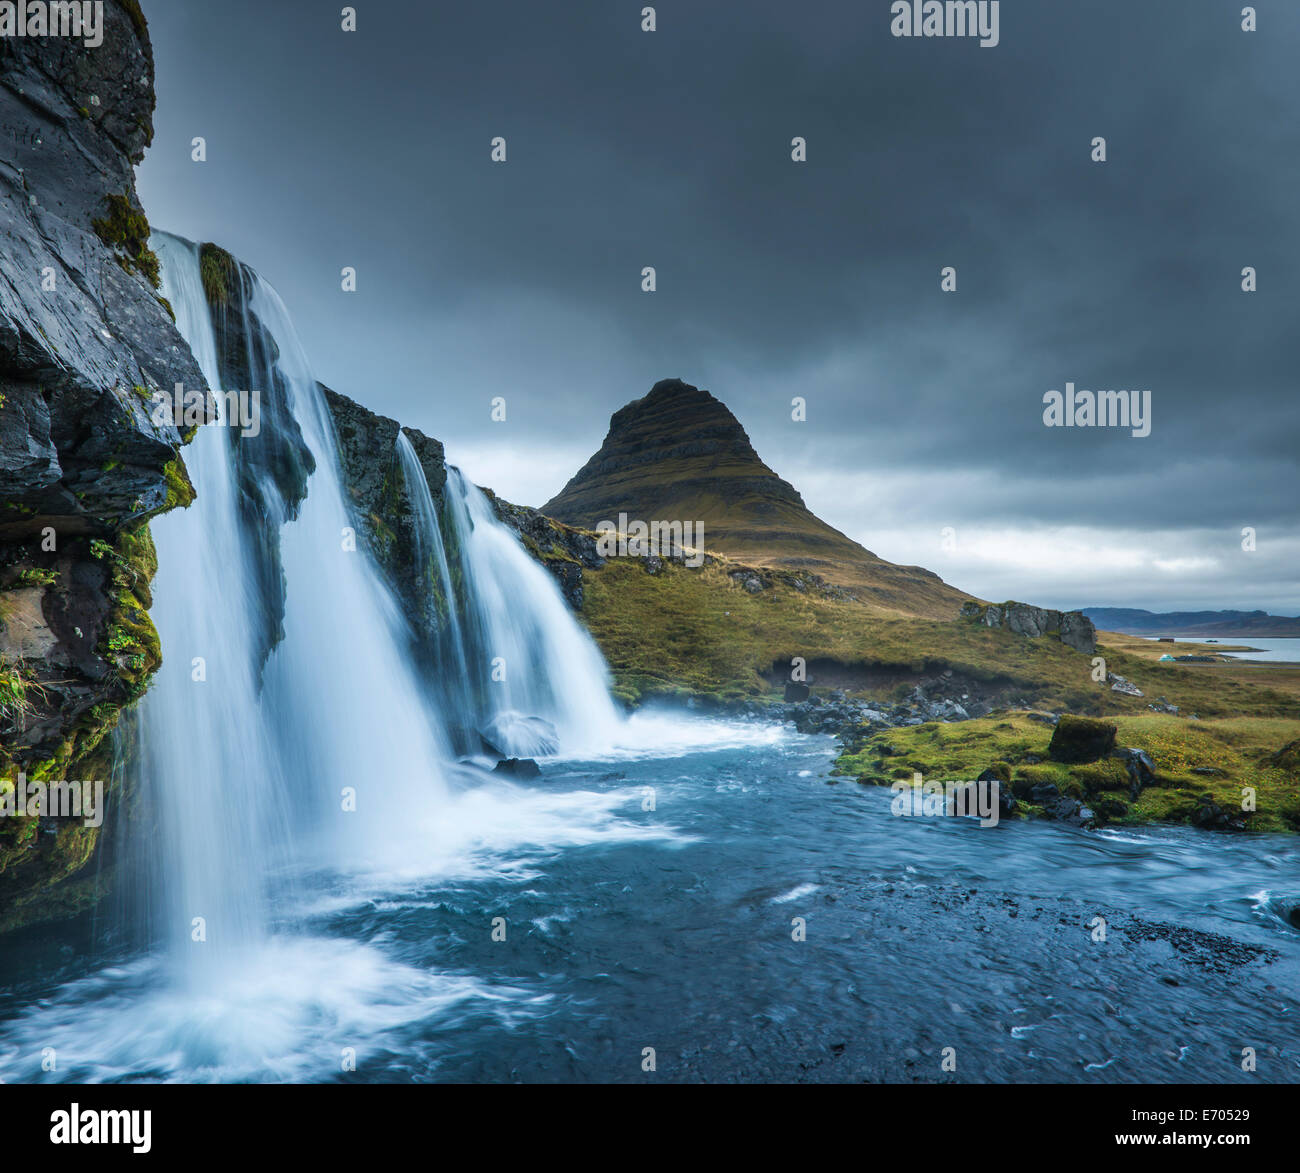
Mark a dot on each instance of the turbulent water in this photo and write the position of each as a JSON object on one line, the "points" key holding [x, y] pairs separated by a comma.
{"points": [[671, 927], [523, 673], [324, 884]]}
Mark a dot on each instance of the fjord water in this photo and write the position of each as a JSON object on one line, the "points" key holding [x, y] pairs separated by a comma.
{"points": [[650, 885]]}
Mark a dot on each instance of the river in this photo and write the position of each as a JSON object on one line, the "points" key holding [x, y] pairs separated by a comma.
{"points": [[673, 928]]}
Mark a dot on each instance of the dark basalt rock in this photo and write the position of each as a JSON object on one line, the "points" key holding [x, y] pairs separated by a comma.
{"points": [[1141, 770], [1210, 816], [372, 477], [563, 550], [518, 768], [1081, 739], [85, 341], [968, 797], [79, 450], [373, 480], [1071, 812]]}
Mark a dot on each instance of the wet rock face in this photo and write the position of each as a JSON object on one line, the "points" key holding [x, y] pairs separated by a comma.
{"points": [[84, 336], [373, 481], [85, 339], [1072, 628], [564, 551], [372, 478], [365, 442]]}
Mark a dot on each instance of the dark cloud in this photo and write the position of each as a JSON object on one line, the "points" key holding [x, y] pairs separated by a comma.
{"points": [[671, 149]]}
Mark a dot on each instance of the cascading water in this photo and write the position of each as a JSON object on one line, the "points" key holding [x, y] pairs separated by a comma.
{"points": [[349, 715], [450, 666], [331, 734], [290, 766], [290, 693], [206, 762], [533, 680]]}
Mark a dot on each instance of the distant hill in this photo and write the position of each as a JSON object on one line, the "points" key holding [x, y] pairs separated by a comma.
{"points": [[679, 454], [1209, 623]]}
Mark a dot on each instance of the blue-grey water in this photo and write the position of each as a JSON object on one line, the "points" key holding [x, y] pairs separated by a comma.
{"points": [[672, 928], [1284, 650], [1281, 650]]}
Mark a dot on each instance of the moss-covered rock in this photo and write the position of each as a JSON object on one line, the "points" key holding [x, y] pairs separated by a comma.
{"points": [[83, 462], [1081, 739], [125, 228], [219, 273]]}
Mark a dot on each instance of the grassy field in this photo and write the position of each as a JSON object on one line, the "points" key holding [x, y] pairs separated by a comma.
{"points": [[683, 631], [700, 631], [1230, 753]]}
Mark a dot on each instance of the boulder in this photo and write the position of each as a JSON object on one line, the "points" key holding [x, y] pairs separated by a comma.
{"points": [[967, 798], [518, 768], [1081, 739], [1070, 811], [1078, 632], [510, 732], [747, 579], [1210, 816], [1141, 770]]}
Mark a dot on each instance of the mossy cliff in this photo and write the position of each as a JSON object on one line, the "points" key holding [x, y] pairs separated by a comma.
{"points": [[373, 481], [85, 341], [272, 462]]}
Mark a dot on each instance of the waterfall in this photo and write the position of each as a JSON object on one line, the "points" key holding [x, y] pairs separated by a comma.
{"points": [[207, 765], [290, 723], [450, 661], [291, 775], [535, 679], [326, 751], [350, 716]]}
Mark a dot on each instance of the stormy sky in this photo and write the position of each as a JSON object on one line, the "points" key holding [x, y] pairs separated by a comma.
{"points": [[777, 279]]}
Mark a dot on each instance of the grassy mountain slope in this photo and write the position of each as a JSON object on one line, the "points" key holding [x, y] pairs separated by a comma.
{"points": [[678, 454]]}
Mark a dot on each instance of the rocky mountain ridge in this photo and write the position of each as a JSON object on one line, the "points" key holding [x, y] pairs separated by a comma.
{"points": [[679, 454], [1133, 621]]}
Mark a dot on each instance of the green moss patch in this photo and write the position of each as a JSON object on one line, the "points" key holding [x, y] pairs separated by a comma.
{"points": [[126, 229], [218, 271], [1216, 757]]}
